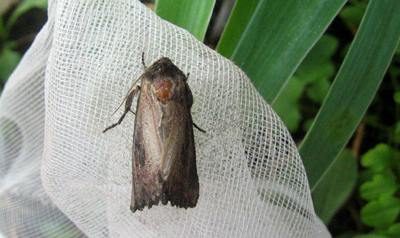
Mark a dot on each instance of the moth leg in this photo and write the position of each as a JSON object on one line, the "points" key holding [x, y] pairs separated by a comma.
{"points": [[198, 128], [128, 104]]}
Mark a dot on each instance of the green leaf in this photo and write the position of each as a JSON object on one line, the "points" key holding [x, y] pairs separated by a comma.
{"points": [[317, 64], [192, 15], [317, 68], [319, 89], [347, 234], [9, 60], [397, 131], [353, 89], [381, 213], [236, 25], [312, 76], [3, 31], [381, 157], [352, 14], [278, 37], [308, 123], [337, 186], [393, 231], [23, 7], [380, 185], [396, 97], [287, 104], [369, 236]]}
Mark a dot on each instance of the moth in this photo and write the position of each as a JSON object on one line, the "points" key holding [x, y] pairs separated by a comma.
{"points": [[163, 151]]}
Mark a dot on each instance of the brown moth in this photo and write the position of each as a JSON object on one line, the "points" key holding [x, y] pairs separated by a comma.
{"points": [[163, 151]]}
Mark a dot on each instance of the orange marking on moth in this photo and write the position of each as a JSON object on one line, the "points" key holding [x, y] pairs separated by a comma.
{"points": [[163, 89]]}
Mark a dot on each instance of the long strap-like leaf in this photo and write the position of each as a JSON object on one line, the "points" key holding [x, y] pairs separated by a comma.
{"points": [[192, 15], [353, 89], [275, 39]]}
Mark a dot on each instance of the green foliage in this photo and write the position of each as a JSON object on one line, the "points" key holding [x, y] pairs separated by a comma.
{"points": [[380, 191], [277, 37], [380, 158], [353, 89], [287, 105], [381, 212], [369, 236], [22, 8], [312, 77], [353, 13], [9, 60], [381, 185]]}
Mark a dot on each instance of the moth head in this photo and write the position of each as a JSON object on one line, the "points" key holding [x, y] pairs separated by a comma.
{"points": [[165, 78]]}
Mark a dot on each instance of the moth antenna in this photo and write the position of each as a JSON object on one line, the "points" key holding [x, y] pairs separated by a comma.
{"points": [[129, 91], [198, 128], [128, 104], [127, 95], [145, 67]]}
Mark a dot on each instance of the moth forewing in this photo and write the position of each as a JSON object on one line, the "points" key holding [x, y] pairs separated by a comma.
{"points": [[163, 152]]}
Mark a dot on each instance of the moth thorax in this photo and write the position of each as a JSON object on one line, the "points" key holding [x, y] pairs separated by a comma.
{"points": [[163, 89]]}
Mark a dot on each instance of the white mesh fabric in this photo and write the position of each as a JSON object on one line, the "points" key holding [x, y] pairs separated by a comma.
{"points": [[58, 172]]}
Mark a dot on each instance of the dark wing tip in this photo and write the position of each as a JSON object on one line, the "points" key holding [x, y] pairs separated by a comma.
{"points": [[183, 198], [182, 202], [148, 201]]}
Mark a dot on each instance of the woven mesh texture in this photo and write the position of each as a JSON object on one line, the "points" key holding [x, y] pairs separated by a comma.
{"points": [[60, 176]]}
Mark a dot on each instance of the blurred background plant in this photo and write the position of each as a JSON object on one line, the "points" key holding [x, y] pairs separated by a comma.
{"points": [[320, 65], [20, 21]]}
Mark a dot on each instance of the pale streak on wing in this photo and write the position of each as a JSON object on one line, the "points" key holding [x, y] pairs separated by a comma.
{"points": [[172, 147], [150, 133]]}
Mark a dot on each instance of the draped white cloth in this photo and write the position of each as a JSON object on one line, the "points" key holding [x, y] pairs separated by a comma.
{"points": [[61, 176]]}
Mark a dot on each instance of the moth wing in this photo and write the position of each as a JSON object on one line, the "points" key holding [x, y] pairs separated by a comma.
{"points": [[178, 168], [146, 182], [182, 184]]}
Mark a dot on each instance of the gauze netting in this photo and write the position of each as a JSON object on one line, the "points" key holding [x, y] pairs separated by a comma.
{"points": [[60, 176]]}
